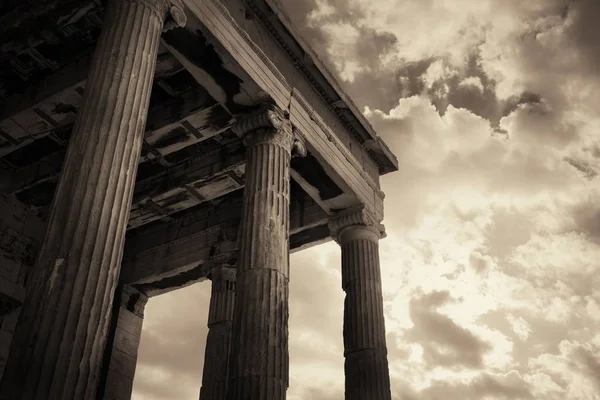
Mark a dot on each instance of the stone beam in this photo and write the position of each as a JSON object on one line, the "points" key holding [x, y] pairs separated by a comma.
{"points": [[164, 256], [161, 193], [198, 179], [166, 133], [227, 29], [41, 109]]}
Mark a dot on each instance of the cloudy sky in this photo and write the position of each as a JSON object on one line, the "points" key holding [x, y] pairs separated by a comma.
{"points": [[491, 265]]}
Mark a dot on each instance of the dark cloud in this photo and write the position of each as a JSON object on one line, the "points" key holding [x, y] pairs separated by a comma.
{"points": [[510, 387], [587, 168], [298, 12], [587, 219], [444, 342], [377, 87], [343, 12], [583, 32], [591, 364], [381, 88], [526, 98]]}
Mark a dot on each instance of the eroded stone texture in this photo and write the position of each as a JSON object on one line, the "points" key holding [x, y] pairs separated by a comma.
{"points": [[366, 365], [260, 359], [60, 337], [218, 343], [120, 356]]}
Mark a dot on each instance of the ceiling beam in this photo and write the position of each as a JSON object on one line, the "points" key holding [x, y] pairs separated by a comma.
{"points": [[196, 238]]}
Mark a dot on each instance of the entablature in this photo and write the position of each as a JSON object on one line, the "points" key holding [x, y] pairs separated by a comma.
{"points": [[164, 256]]}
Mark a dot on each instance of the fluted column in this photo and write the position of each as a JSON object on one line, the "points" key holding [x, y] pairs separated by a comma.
{"points": [[218, 342], [260, 359], [61, 335], [120, 355], [365, 351]]}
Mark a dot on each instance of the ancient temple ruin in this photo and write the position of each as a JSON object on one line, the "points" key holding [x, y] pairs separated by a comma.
{"points": [[149, 144]]}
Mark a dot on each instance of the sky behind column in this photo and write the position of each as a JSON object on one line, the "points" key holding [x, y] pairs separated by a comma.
{"points": [[490, 268]]}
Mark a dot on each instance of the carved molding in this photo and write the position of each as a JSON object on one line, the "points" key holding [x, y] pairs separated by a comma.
{"points": [[263, 125], [267, 124], [214, 15], [299, 146], [266, 116], [353, 217], [133, 300], [176, 17], [267, 22], [332, 137]]}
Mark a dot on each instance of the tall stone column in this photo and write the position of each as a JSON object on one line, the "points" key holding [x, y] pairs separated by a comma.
{"points": [[59, 340], [218, 343], [120, 355], [260, 359], [365, 351]]}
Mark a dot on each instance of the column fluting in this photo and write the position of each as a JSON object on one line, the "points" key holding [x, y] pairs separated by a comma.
{"points": [[260, 359], [366, 365], [61, 335], [215, 376]]}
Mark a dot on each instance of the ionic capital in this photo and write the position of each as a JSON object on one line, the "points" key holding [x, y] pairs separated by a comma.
{"points": [[349, 223], [269, 124], [222, 273], [133, 300], [176, 17], [267, 116], [170, 11], [299, 146]]}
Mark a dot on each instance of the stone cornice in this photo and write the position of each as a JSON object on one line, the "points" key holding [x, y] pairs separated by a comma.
{"points": [[351, 217], [377, 149]]}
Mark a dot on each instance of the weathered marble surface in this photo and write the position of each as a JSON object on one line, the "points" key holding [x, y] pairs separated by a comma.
{"points": [[60, 337]]}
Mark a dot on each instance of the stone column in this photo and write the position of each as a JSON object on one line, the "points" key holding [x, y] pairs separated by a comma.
{"points": [[120, 355], [365, 351], [260, 359], [60, 337], [218, 342]]}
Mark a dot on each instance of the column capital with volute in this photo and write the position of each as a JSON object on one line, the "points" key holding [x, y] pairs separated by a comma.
{"points": [[354, 223], [259, 126]]}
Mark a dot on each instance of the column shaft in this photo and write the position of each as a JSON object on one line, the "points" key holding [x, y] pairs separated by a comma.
{"points": [[60, 337], [366, 364], [120, 355], [218, 342], [260, 356]]}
